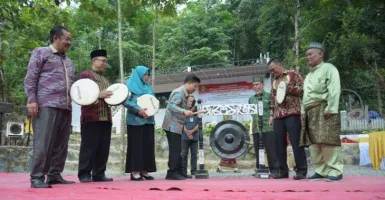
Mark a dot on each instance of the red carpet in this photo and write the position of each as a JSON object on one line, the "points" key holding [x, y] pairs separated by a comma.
{"points": [[16, 186]]}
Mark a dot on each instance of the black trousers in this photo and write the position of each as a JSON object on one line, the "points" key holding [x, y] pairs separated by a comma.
{"points": [[140, 148], [193, 147], [269, 143], [94, 149], [174, 154], [292, 126]]}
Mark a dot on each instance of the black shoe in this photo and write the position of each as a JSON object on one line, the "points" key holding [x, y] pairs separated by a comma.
{"points": [[185, 175], [334, 178], [146, 177], [58, 180], [39, 184], [85, 180], [140, 178], [316, 177], [299, 176], [280, 175], [274, 174], [188, 176], [101, 179], [174, 176]]}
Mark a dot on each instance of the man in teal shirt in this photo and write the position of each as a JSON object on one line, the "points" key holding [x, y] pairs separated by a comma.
{"points": [[322, 125], [268, 135]]}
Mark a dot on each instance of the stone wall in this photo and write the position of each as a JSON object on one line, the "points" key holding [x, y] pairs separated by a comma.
{"points": [[15, 159]]}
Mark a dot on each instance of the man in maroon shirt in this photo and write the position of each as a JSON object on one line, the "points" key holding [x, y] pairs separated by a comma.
{"points": [[286, 118], [96, 125]]}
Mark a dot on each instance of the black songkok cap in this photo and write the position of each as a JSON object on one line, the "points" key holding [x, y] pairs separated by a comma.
{"points": [[99, 52]]}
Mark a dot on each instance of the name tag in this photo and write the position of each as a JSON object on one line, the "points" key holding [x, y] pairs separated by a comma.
{"points": [[191, 119]]}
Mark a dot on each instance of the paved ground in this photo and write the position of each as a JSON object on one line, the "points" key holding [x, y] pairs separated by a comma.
{"points": [[348, 170], [17, 187]]}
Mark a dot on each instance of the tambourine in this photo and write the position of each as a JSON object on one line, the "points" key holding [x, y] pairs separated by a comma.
{"points": [[84, 92], [150, 103], [281, 92], [119, 94]]}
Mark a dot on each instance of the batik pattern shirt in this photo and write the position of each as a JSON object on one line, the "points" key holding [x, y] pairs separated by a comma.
{"points": [[174, 118], [49, 78], [294, 91]]}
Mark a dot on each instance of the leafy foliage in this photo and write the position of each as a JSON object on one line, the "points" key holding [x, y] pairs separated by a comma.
{"points": [[206, 31]]}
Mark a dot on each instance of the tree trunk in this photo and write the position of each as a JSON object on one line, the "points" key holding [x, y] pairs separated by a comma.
{"points": [[154, 46], [296, 38], [1, 75], [378, 91], [100, 38], [123, 143]]}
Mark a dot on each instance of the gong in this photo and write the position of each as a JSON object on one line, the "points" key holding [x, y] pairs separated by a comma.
{"points": [[229, 139]]}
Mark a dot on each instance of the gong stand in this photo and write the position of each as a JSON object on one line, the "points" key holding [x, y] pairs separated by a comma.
{"points": [[201, 173], [262, 170], [230, 109]]}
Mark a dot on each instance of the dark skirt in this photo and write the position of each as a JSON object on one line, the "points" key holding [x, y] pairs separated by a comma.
{"points": [[140, 148]]}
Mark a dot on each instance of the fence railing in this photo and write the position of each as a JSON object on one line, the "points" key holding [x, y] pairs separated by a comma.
{"points": [[348, 124]]}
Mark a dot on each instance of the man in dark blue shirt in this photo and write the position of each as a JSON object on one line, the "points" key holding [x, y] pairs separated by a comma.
{"points": [[190, 139]]}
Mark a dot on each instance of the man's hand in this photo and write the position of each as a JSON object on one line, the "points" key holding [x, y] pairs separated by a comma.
{"points": [[328, 115], [188, 113], [33, 109], [105, 94], [142, 112], [303, 117], [190, 134], [271, 121]]}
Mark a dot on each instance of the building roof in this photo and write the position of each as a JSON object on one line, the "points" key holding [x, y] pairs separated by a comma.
{"points": [[167, 79]]}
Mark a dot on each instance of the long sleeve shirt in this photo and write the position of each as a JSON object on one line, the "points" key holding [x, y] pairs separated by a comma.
{"points": [[292, 103], [266, 112], [98, 111], [49, 78], [133, 118], [174, 118], [322, 84]]}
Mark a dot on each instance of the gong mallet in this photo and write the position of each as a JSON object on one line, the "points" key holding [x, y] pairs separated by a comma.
{"points": [[201, 173], [262, 171]]}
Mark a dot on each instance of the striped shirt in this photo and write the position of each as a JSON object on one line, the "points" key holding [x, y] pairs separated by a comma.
{"points": [[100, 111]]}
